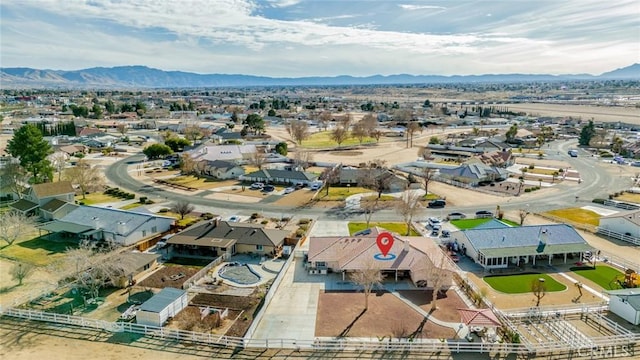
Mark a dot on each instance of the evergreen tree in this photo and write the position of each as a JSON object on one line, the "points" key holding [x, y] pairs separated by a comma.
{"points": [[28, 146], [587, 133]]}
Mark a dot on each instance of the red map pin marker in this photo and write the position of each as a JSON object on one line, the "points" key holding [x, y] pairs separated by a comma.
{"points": [[385, 242]]}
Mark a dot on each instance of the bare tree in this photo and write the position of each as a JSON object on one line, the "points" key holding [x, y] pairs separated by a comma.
{"points": [[367, 279], [193, 132], [182, 208], [439, 279], [14, 177], [330, 176], [408, 207], [522, 213], [122, 129], [13, 224], [20, 271], [258, 159], [298, 130], [539, 289], [369, 206], [359, 131], [412, 127], [303, 158], [188, 164], [428, 174], [324, 119], [369, 122], [345, 121], [339, 135], [376, 134], [375, 176], [59, 162], [93, 268], [85, 176]]}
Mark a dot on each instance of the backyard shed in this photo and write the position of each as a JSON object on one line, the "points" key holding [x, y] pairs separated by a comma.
{"points": [[626, 304], [162, 306]]}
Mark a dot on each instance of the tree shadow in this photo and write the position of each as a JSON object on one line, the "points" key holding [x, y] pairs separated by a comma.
{"points": [[6, 289], [420, 328], [346, 330]]}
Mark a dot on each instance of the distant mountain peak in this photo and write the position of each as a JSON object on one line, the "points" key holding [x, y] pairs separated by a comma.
{"points": [[141, 76]]}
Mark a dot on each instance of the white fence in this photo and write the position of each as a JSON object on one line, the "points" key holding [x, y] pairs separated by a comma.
{"points": [[621, 205], [200, 274], [617, 235]]}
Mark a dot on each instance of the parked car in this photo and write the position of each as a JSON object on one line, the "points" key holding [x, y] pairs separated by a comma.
{"points": [[434, 221], [446, 233], [437, 203], [483, 214], [268, 188], [234, 218], [300, 186], [456, 216], [315, 186], [289, 190], [257, 186]]}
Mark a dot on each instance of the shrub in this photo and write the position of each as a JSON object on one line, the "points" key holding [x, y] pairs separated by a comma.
{"points": [[300, 232], [81, 203], [207, 216], [163, 210], [599, 201], [255, 216], [531, 166], [304, 221], [264, 222], [143, 199], [131, 196]]}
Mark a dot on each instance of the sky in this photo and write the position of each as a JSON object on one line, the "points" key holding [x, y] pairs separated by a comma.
{"points": [[297, 38]]}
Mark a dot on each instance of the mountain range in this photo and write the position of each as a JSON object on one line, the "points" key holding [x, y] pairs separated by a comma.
{"points": [[145, 77]]}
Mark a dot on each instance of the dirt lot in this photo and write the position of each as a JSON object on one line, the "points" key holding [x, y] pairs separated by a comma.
{"points": [[246, 306], [447, 303], [386, 316], [162, 277]]}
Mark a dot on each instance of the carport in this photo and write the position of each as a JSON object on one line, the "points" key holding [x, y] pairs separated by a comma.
{"points": [[65, 228]]}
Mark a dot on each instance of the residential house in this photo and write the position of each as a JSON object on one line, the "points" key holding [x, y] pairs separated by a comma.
{"points": [[106, 224], [56, 209], [239, 154], [474, 174], [350, 176], [626, 304], [409, 257], [275, 176], [217, 238], [40, 195], [219, 169], [73, 149], [225, 135], [500, 158], [501, 247]]}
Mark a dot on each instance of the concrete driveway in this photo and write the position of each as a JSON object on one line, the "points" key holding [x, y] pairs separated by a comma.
{"points": [[329, 228]]}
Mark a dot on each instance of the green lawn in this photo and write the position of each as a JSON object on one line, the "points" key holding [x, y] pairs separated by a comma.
{"points": [[131, 206], [521, 283], [465, 224], [97, 198], [39, 251], [602, 275], [398, 228], [340, 193], [323, 140]]}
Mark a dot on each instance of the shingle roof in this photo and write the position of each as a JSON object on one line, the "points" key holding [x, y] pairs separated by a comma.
{"points": [[162, 299], [24, 205], [107, 219], [224, 234], [52, 189], [53, 205]]}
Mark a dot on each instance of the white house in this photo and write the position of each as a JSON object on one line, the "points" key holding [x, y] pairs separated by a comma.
{"points": [[163, 305], [119, 226], [622, 225], [220, 169], [626, 304], [501, 247]]}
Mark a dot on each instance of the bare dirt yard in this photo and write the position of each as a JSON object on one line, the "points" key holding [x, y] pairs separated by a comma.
{"points": [[169, 276], [448, 303], [341, 314], [244, 308]]}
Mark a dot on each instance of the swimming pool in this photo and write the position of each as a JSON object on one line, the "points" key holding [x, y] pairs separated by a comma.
{"points": [[239, 273]]}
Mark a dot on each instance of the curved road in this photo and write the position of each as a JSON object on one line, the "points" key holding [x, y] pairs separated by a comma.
{"points": [[596, 183]]}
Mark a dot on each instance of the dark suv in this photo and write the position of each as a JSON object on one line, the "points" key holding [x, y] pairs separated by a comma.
{"points": [[437, 203], [483, 214]]}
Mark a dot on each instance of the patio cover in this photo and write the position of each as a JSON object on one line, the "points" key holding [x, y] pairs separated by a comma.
{"points": [[60, 226], [479, 317]]}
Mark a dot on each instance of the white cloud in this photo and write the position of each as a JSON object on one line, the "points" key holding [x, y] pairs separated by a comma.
{"points": [[234, 36], [421, 7]]}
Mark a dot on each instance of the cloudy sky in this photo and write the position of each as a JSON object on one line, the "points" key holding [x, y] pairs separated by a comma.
{"points": [[293, 38]]}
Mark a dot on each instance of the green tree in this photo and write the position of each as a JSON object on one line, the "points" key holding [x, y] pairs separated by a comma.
{"points": [[177, 144], [110, 106], [156, 151], [587, 133], [97, 111], [271, 112], [511, 133], [32, 150], [281, 148], [255, 123], [80, 111]]}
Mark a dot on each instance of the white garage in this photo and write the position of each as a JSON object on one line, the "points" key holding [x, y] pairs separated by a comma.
{"points": [[626, 304], [162, 306]]}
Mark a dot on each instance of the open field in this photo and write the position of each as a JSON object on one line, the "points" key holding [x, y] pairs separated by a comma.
{"points": [[629, 197], [38, 251], [97, 198], [323, 140], [586, 112], [521, 283]]}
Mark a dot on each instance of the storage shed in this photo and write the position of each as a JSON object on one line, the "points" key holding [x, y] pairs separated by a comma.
{"points": [[626, 304], [165, 304]]}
